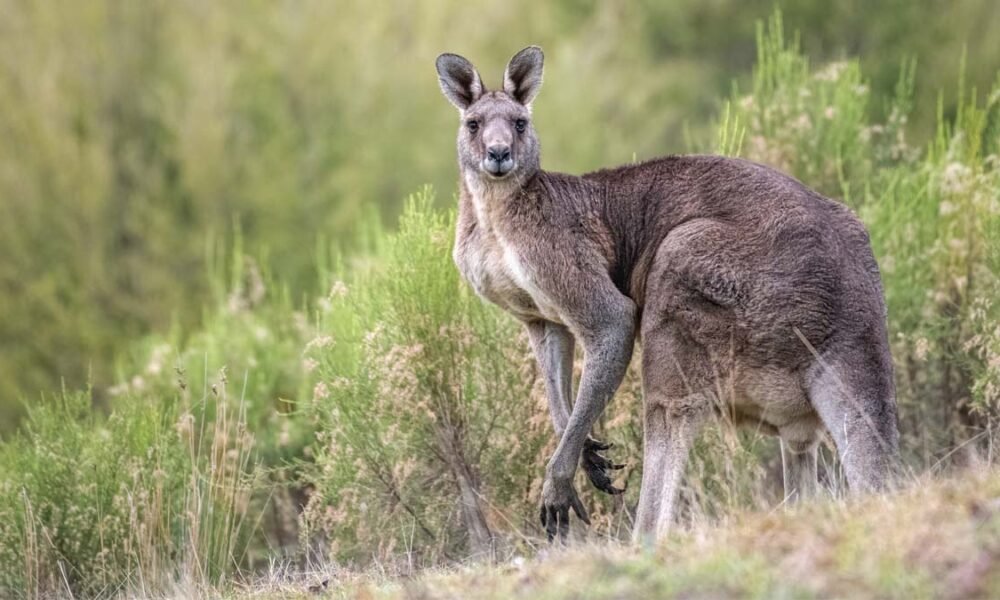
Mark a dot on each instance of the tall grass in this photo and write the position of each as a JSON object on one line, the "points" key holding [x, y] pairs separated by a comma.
{"points": [[133, 504], [188, 481]]}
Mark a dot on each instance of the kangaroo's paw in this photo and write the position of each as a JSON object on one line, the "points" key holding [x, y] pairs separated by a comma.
{"points": [[598, 466]]}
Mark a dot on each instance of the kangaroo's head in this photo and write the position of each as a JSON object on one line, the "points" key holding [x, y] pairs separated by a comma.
{"points": [[496, 140]]}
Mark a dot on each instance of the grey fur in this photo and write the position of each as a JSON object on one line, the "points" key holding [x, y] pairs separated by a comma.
{"points": [[522, 79], [753, 296], [459, 80]]}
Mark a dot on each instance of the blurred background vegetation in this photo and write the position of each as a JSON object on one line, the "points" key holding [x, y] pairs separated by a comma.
{"points": [[230, 312], [138, 138]]}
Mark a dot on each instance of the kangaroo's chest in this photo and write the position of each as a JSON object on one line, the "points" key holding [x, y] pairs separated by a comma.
{"points": [[502, 274]]}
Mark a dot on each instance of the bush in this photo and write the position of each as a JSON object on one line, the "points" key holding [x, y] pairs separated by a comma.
{"points": [[430, 427], [254, 332], [934, 227], [145, 498], [184, 481]]}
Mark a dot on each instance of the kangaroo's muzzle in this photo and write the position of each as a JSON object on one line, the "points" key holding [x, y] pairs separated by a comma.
{"points": [[498, 161]]}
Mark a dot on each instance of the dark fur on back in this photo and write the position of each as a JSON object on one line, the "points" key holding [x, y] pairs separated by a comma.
{"points": [[796, 260]]}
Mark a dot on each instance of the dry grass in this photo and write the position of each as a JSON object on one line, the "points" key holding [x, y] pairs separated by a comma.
{"points": [[935, 539]]}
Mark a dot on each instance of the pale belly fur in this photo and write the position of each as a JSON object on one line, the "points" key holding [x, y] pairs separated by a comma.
{"points": [[496, 271], [770, 399]]}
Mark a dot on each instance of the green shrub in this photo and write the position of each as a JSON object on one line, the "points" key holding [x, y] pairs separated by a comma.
{"points": [[253, 332], [934, 225], [430, 428], [145, 497], [72, 484], [814, 123]]}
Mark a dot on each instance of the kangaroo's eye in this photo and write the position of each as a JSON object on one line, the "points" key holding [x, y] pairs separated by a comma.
{"points": [[473, 125], [520, 124]]}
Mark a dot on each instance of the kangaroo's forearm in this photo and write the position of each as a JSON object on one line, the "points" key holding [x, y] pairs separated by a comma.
{"points": [[605, 363], [553, 347]]}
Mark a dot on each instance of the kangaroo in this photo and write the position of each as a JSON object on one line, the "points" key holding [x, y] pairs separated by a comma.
{"points": [[752, 295]]}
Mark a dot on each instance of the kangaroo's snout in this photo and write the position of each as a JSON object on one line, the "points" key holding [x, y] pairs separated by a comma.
{"points": [[498, 153], [498, 161]]}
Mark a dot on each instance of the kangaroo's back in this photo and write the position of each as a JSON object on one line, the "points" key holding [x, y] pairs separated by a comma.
{"points": [[781, 226]]}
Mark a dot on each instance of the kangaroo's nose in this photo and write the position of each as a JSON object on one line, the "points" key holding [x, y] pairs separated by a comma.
{"points": [[498, 153]]}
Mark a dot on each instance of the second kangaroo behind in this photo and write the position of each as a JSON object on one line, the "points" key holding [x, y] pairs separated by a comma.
{"points": [[751, 294]]}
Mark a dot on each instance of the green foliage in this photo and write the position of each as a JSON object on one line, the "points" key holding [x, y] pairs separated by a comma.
{"points": [[133, 136], [184, 480], [75, 487], [149, 496], [97, 506], [934, 225], [254, 333], [813, 124], [425, 396]]}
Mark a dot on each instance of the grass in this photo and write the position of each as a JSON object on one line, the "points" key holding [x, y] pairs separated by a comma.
{"points": [[150, 496], [937, 538]]}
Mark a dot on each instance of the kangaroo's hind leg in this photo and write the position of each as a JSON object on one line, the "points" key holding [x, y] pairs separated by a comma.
{"points": [[674, 414], [851, 388], [669, 434], [798, 468], [679, 375]]}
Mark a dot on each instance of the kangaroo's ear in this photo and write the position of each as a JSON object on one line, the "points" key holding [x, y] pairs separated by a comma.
{"points": [[523, 77], [459, 80]]}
